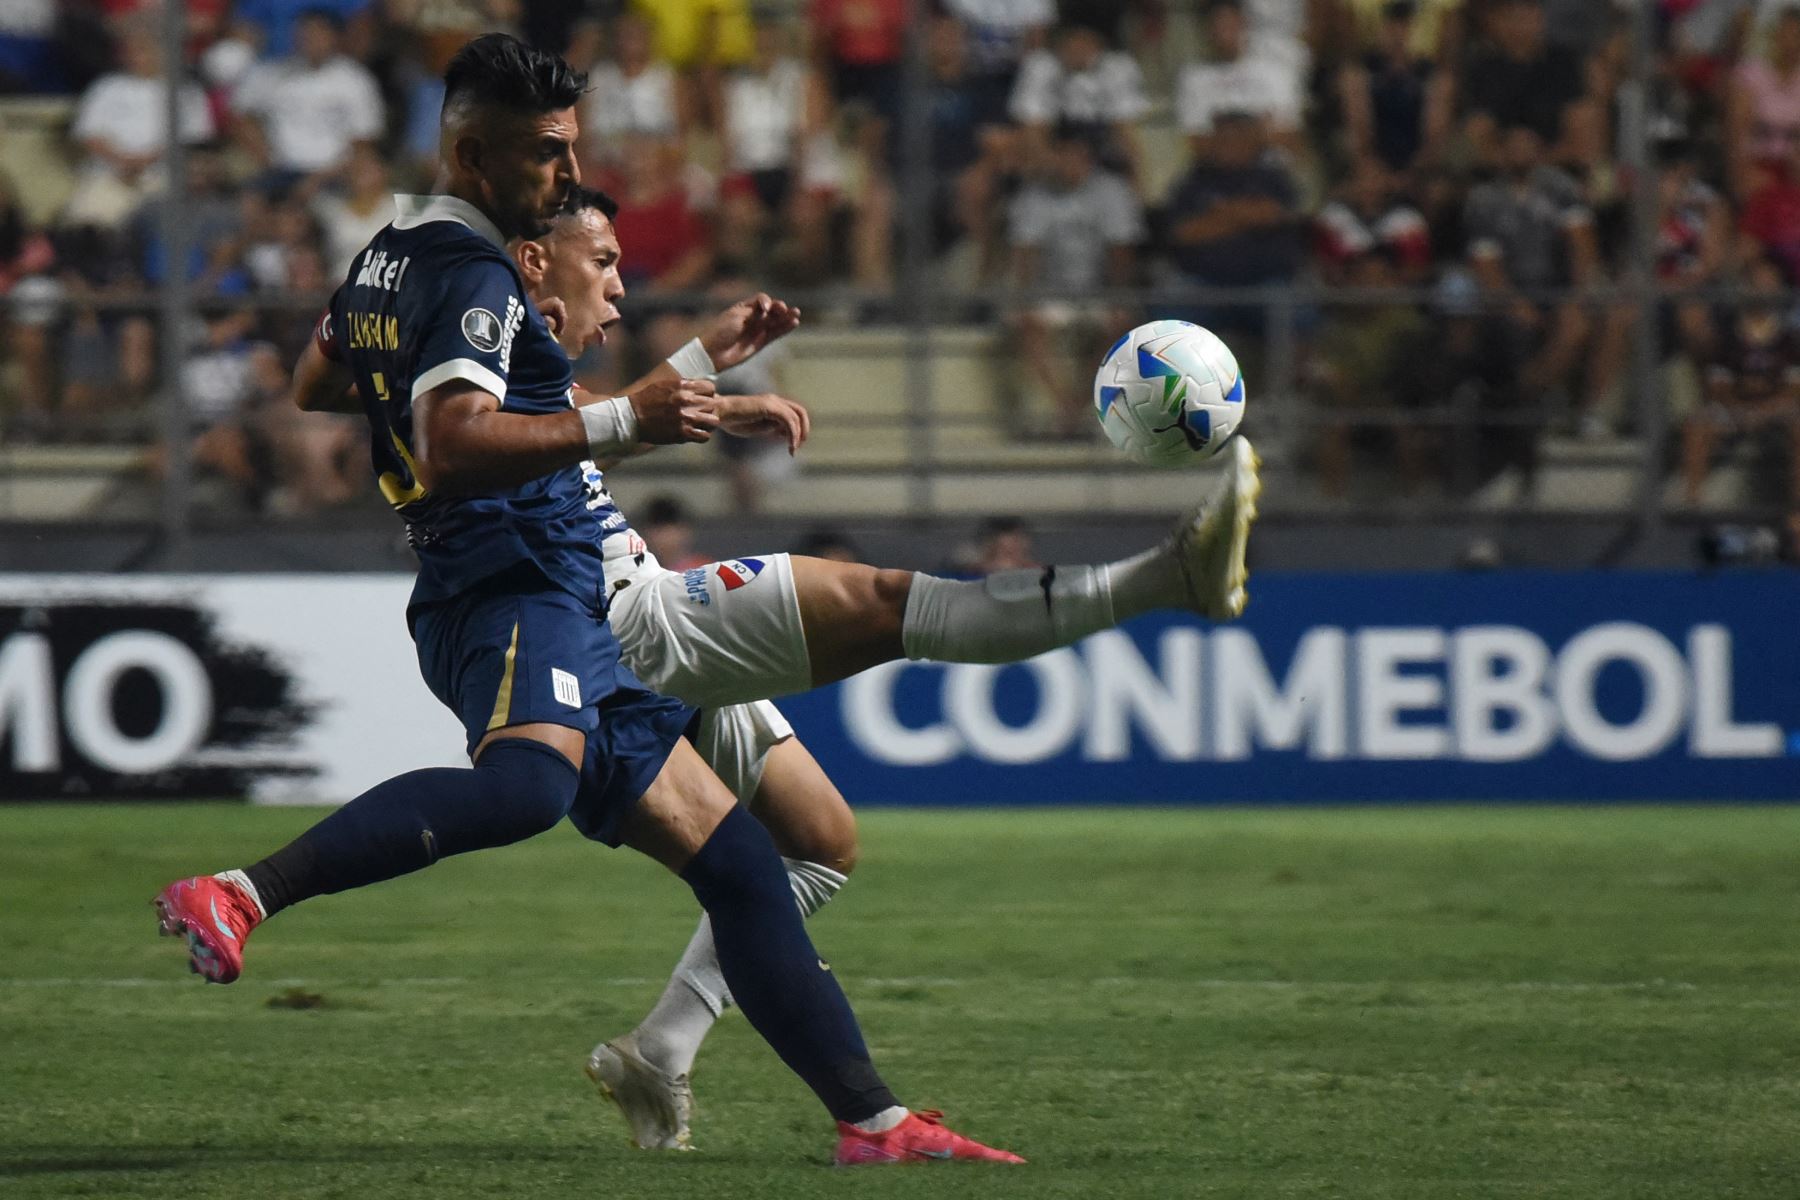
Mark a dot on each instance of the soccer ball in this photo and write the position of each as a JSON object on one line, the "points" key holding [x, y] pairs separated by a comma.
{"points": [[1169, 393]]}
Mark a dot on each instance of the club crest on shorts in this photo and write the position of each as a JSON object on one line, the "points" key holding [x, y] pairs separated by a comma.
{"points": [[738, 572]]}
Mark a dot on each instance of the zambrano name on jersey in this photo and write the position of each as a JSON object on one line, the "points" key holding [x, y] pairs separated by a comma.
{"points": [[373, 331]]}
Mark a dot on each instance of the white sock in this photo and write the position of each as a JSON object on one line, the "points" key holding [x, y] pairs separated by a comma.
{"points": [[1013, 615], [882, 1121], [243, 881], [669, 1036]]}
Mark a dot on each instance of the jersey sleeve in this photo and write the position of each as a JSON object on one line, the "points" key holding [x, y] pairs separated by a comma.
{"points": [[325, 335], [465, 331]]}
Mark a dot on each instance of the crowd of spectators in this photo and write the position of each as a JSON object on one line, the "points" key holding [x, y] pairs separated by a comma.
{"points": [[1473, 152]]}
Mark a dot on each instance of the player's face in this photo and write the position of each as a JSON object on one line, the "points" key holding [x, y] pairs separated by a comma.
{"points": [[528, 170], [581, 268]]}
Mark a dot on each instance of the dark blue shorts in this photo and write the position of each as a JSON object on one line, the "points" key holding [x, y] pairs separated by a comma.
{"points": [[518, 650]]}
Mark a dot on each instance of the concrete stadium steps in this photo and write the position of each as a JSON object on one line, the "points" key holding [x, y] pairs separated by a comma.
{"points": [[59, 483]]}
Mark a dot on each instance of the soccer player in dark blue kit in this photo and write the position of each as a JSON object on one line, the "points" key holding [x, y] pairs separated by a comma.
{"points": [[476, 443]]}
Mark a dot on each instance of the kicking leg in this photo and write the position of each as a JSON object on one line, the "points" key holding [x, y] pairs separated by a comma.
{"points": [[856, 617]]}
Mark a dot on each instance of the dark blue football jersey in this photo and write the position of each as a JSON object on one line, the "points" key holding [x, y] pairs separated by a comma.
{"points": [[435, 298]]}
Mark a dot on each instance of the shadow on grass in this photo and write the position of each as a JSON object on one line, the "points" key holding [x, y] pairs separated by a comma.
{"points": [[75, 1160]]}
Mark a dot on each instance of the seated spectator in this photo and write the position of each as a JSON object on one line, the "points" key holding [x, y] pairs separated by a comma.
{"points": [[121, 128], [1528, 229], [348, 221], [29, 304], [629, 95], [1362, 353], [829, 544], [1083, 84], [1234, 220], [1518, 80], [1752, 384], [31, 50], [1001, 544], [861, 47], [1771, 216], [316, 459], [1434, 28], [1000, 34], [217, 387], [1371, 216], [1464, 364], [1075, 231], [273, 25], [1692, 246], [1396, 101], [300, 117], [694, 34], [1238, 82], [660, 219], [1763, 117], [669, 533], [1115, 20], [968, 156], [779, 158], [1286, 31]]}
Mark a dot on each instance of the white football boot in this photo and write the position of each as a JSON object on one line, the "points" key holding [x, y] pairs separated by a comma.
{"points": [[658, 1107], [1210, 545]]}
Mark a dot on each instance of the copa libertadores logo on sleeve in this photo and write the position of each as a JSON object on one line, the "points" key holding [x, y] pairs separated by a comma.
{"points": [[482, 329]]}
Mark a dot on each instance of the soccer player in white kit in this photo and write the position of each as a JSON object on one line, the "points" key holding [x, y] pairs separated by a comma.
{"points": [[727, 636]]}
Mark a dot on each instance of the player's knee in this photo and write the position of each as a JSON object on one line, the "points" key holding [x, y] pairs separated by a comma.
{"points": [[830, 843], [533, 786]]}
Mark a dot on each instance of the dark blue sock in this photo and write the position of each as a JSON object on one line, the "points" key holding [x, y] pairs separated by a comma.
{"points": [[777, 978], [519, 788]]}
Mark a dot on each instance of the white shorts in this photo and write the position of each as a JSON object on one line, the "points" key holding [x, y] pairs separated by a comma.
{"points": [[722, 637]]}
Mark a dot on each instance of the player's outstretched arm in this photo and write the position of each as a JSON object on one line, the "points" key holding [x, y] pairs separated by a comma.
{"points": [[736, 336], [464, 444]]}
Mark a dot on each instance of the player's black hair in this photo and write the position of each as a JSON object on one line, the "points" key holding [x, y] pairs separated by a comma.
{"points": [[498, 70], [581, 198]]}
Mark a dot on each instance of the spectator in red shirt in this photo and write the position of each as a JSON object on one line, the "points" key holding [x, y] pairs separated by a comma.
{"points": [[1771, 217], [665, 231], [861, 47], [1371, 216]]}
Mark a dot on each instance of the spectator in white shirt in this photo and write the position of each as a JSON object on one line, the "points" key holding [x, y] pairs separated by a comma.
{"points": [[301, 116], [121, 125], [776, 161], [630, 95], [1075, 230], [1237, 81], [348, 221], [1083, 83]]}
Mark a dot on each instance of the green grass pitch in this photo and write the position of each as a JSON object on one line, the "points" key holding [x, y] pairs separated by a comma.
{"points": [[1440, 1003]]}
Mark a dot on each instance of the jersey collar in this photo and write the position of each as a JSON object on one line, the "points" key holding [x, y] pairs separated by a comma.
{"points": [[413, 211]]}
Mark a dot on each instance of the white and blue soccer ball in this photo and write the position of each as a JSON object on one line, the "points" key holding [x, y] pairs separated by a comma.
{"points": [[1169, 393]]}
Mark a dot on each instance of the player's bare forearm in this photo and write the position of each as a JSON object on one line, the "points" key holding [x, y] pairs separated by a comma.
{"points": [[320, 385], [464, 445]]}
